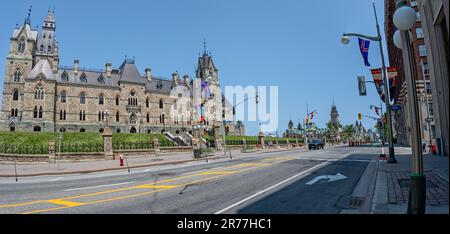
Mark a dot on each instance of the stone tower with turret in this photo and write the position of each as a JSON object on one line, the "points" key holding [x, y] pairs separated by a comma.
{"points": [[335, 119]]}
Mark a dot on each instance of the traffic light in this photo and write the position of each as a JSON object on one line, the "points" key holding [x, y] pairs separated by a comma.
{"points": [[257, 97], [234, 110], [359, 116], [362, 86]]}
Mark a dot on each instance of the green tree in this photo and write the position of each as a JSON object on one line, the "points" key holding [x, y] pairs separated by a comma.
{"points": [[348, 131]]}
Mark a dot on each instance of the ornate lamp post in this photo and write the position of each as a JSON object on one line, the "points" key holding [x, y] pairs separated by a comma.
{"points": [[404, 20], [345, 40]]}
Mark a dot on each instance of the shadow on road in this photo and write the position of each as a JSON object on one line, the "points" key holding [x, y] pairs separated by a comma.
{"points": [[321, 197]]}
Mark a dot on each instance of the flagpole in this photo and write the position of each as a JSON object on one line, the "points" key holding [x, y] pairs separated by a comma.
{"points": [[387, 96], [345, 40]]}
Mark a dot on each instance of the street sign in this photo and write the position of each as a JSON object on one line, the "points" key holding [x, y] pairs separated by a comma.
{"points": [[429, 119], [396, 107]]}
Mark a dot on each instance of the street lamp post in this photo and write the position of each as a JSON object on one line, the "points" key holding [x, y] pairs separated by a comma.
{"points": [[345, 40], [404, 19]]}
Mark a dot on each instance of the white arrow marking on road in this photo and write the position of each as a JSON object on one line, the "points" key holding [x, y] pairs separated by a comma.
{"points": [[329, 178]]}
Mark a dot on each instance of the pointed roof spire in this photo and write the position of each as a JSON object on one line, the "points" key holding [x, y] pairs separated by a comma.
{"points": [[204, 46], [27, 19]]}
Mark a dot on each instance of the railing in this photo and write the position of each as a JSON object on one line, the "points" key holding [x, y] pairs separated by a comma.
{"points": [[23, 149], [133, 145], [80, 148]]}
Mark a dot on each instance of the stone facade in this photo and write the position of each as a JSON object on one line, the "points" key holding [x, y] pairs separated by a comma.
{"points": [[41, 95]]}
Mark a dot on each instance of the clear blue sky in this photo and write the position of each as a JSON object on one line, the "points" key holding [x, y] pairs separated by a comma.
{"points": [[293, 44]]}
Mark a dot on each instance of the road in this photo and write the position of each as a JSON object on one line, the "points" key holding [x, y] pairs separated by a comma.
{"points": [[275, 182]]}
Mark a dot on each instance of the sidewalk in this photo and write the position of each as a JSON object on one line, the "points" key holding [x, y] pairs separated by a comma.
{"points": [[392, 184], [59, 168]]}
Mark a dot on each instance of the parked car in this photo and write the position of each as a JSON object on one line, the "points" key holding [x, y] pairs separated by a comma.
{"points": [[316, 144]]}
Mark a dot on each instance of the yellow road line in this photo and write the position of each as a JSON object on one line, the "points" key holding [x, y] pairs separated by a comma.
{"points": [[160, 187], [65, 203], [217, 172], [118, 198]]}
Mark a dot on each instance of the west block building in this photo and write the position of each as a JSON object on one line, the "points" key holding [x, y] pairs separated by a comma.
{"points": [[41, 95]]}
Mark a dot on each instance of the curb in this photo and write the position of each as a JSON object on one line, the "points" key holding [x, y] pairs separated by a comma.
{"points": [[362, 194], [108, 169]]}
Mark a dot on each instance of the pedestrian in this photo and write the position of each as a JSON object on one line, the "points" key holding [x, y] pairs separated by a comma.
{"points": [[424, 146]]}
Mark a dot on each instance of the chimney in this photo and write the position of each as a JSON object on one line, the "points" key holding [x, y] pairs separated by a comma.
{"points": [[108, 70], [186, 79], [76, 62], [175, 77], [148, 74]]}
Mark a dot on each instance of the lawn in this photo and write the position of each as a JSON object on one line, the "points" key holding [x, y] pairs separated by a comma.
{"points": [[42, 138]]}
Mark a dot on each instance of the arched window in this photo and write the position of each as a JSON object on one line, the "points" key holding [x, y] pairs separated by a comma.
{"points": [[49, 49], [39, 93], [147, 104], [101, 99], [35, 112], [62, 129], [81, 115], [63, 96], [117, 100], [64, 76], [82, 130], [117, 116], [132, 118], [14, 112], [60, 115], [17, 75], [161, 104], [148, 118], [21, 46], [175, 106], [42, 48], [132, 99], [161, 118], [82, 98], [15, 95], [40, 112]]}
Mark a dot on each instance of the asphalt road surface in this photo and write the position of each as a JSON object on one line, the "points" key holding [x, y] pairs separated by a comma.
{"points": [[297, 181]]}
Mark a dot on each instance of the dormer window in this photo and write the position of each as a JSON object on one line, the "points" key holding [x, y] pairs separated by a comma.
{"points": [[42, 48], [49, 49], [83, 77], [43, 36], [159, 85], [101, 78], [64, 76]]}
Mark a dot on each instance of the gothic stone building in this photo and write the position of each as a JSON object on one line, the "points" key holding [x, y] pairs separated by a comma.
{"points": [[41, 95]]}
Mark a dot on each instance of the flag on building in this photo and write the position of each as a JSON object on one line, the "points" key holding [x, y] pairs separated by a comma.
{"points": [[364, 48]]}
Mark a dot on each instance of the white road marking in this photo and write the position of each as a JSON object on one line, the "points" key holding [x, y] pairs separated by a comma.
{"points": [[55, 179], [99, 186], [269, 188], [329, 178]]}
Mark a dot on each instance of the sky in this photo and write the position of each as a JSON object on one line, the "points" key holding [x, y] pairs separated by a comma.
{"points": [[292, 44]]}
